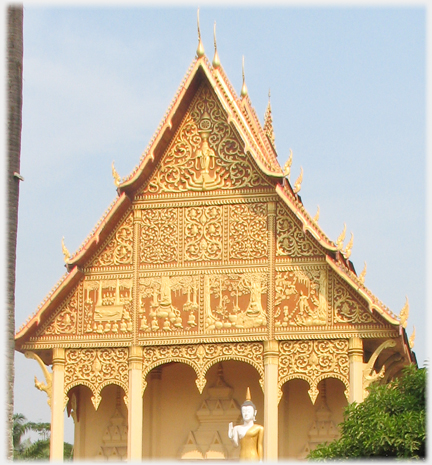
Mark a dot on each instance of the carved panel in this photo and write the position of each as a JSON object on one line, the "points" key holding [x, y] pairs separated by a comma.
{"points": [[301, 297], [159, 236], [65, 321], [96, 368], [168, 303], [314, 361], [347, 309], [202, 357], [203, 233], [291, 240], [206, 153], [248, 231], [108, 306], [235, 301], [119, 250]]}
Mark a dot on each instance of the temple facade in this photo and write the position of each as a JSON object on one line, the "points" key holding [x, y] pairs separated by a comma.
{"points": [[207, 276]]}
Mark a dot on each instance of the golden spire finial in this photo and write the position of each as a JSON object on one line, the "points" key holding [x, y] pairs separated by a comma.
{"points": [[115, 175], [268, 122], [363, 274], [65, 251], [341, 238], [287, 167], [349, 247], [316, 217], [403, 316], [200, 49], [248, 394], [411, 339], [216, 61], [244, 88], [297, 184]]}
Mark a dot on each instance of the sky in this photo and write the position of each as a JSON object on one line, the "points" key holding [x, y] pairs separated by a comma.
{"points": [[348, 96]]}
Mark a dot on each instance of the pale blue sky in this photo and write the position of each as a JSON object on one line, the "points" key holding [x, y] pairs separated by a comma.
{"points": [[348, 97]]}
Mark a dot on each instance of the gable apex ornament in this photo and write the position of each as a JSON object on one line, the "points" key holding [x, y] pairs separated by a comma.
{"points": [[216, 61], [200, 48], [268, 122], [115, 175], [244, 90], [349, 247]]}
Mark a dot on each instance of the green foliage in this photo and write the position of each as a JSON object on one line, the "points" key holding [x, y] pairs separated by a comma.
{"points": [[38, 450], [390, 422]]}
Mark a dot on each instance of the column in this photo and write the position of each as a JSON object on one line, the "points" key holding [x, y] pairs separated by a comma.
{"points": [[271, 359], [355, 354], [57, 406], [135, 404]]}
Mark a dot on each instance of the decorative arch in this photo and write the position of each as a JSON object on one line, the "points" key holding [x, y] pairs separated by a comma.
{"points": [[203, 356], [313, 361], [97, 368]]}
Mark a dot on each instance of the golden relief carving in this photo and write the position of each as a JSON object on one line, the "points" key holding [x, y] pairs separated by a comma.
{"points": [[314, 361], [202, 357], [159, 236], [206, 153], [66, 320], [108, 306], [168, 303], [203, 233], [347, 309], [291, 240], [248, 231], [96, 368], [301, 297], [225, 296], [119, 250]]}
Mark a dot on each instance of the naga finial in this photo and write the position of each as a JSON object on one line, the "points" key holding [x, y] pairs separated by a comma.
{"points": [[297, 184], [200, 49], [317, 214], [216, 61], [65, 251], [349, 247], [244, 88], [403, 316], [363, 274], [287, 167], [341, 238], [115, 175], [411, 339]]}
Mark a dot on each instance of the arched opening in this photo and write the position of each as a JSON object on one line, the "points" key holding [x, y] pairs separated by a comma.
{"points": [[99, 434], [303, 425], [181, 423]]}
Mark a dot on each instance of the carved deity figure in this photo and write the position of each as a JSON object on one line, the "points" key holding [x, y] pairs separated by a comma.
{"points": [[205, 155], [248, 435]]}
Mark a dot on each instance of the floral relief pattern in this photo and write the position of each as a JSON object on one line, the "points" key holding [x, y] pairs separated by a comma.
{"points": [[206, 153], [66, 320], [203, 233], [159, 235], [347, 309], [96, 368], [119, 250], [201, 357], [314, 361], [291, 240], [248, 231]]}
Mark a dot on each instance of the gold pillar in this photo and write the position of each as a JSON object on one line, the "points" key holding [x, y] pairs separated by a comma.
{"points": [[135, 404], [271, 356], [57, 406], [355, 353]]}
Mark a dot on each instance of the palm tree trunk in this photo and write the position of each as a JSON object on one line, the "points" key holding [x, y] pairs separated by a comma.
{"points": [[14, 103]]}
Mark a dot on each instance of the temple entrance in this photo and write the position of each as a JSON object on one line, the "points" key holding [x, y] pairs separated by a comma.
{"points": [[181, 423], [303, 425], [99, 434]]}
